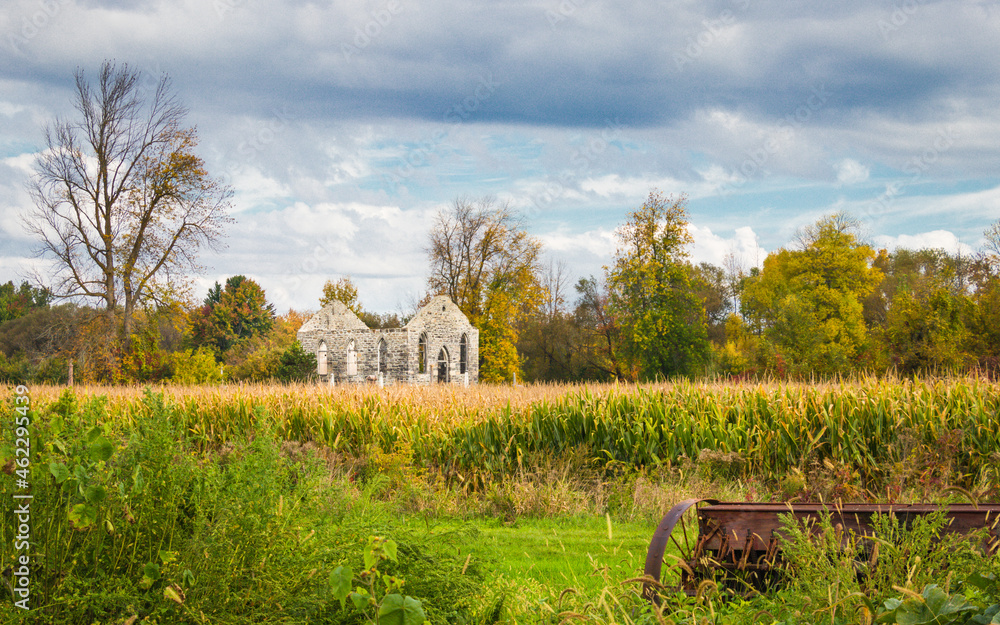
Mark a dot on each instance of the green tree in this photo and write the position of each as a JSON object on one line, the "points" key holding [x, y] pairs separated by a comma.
{"points": [[984, 326], [550, 341], [258, 358], [601, 343], [296, 364], [918, 271], [662, 319], [925, 330], [232, 314], [196, 366], [808, 302], [711, 286], [18, 301]]}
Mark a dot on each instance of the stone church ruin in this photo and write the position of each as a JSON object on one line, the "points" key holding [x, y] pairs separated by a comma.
{"points": [[438, 345]]}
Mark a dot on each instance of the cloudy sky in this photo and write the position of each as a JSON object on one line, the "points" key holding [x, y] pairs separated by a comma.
{"points": [[344, 127]]}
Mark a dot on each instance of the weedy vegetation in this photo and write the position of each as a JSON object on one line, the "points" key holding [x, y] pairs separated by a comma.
{"points": [[305, 504]]}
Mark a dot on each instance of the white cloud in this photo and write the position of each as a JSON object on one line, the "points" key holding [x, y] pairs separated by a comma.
{"points": [[254, 189], [600, 243], [936, 239], [849, 172], [9, 109], [712, 248], [294, 250]]}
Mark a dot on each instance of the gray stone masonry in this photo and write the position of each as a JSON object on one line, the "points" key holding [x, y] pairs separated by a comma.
{"points": [[437, 345]]}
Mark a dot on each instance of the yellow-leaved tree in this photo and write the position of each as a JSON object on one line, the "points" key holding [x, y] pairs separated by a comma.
{"points": [[482, 257], [808, 302]]}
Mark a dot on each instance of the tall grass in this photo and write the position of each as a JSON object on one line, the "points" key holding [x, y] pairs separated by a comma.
{"points": [[941, 429]]}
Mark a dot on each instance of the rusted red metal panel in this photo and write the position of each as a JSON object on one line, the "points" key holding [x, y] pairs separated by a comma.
{"points": [[763, 520]]}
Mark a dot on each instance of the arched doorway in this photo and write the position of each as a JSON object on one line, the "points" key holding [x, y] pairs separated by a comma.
{"points": [[442, 366]]}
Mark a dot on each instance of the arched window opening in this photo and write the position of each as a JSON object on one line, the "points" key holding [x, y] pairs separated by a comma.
{"points": [[422, 354], [352, 359], [321, 359], [463, 354], [442, 365], [383, 357]]}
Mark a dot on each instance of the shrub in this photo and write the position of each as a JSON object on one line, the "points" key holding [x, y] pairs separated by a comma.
{"points": [[196, 367], [296, 364]]}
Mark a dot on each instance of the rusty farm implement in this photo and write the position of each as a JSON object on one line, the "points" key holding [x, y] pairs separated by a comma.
{"points": [[739, 545]]}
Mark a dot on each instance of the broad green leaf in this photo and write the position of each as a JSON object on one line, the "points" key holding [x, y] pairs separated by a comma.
{"points": [[101, 449], [360, 599], [82, 515], [988, 582], [151, 571], [397, 610], [340, 584], [95, 493], [59, 471], [390, 549], [93, 434], [167, 557]]}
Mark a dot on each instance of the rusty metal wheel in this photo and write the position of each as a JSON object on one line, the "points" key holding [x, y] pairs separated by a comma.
{"points": [[679, 544]]}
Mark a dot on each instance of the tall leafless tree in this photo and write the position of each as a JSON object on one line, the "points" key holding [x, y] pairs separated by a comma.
{"points": [[478, 245], [122, 203]]}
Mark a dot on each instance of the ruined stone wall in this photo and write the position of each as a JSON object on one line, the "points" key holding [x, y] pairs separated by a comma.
{"points": [[441, 323]]}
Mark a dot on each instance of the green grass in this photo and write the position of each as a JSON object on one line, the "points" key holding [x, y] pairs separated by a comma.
{"points": [[568, 552]]}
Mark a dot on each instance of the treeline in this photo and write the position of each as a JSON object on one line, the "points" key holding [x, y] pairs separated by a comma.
{"points": [[234, 334], [826, 305]]}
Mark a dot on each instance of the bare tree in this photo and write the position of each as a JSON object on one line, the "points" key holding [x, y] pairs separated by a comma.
{"points": [[122, 204], [554, 283], [478, 245], [734, 267], [992, 250], [602, 348]]}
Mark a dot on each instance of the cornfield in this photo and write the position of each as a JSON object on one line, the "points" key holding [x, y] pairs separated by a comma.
{"points": [[869, 425]]}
